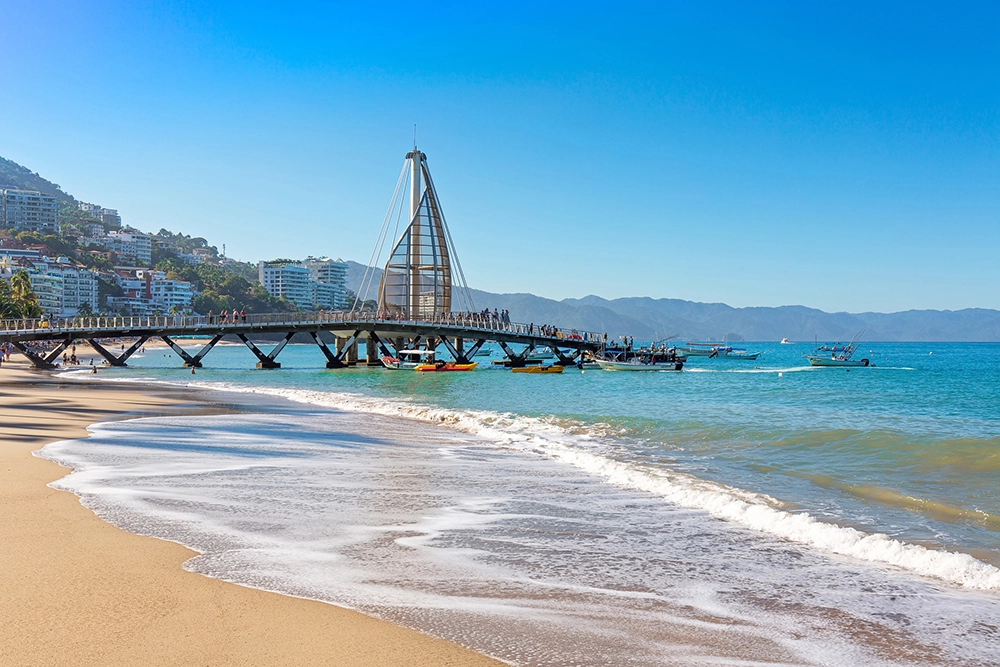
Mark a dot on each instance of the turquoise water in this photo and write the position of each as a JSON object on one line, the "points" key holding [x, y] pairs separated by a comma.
{"points": [[737, 512], [910, 447]]}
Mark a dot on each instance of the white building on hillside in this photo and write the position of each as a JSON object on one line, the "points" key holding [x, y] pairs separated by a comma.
{"points": [[314, 284], [289, 281], [146, 292], [63, 288], [331, 274], [28, 210]]}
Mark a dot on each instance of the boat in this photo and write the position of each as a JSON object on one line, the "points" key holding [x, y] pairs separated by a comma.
{"points": [[540, 355], [839, 355], [408, 360], [785, 341], [440, 366], [733, 353], [538, 369], [640, 364], [699, 349], [642, 359]]}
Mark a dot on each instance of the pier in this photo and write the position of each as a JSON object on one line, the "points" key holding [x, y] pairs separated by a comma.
{"points": [[421, 280], [462, 335]]}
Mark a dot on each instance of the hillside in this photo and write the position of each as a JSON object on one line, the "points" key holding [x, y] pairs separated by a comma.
{"points": [[15, 177], [647, 318]]}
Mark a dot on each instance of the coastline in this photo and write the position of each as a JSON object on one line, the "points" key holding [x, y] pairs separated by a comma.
{"points": [[77, 590]]}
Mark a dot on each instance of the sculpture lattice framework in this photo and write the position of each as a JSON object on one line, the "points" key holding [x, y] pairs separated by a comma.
{"points": [[422, 269]]}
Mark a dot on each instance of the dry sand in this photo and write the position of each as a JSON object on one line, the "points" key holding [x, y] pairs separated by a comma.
{"points": [[75, 590]]}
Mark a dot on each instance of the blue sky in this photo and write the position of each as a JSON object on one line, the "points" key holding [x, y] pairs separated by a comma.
{"points": [[836, 155]]}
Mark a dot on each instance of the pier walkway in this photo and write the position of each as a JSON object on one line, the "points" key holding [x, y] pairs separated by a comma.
{"points": [[462, 335]]}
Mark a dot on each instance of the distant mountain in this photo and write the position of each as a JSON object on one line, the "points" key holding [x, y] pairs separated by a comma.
{"points": [[646, 318], [15, 177]]}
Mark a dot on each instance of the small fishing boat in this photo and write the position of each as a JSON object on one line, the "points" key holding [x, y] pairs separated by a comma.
{"points": [[538, 369], [738, 353], [440, 366], [698, 349], [408, 360], [652, 358], [839, 355], [640, 364]]}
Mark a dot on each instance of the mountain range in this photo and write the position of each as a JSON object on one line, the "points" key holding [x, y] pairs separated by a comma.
{"points": [[646, 318]]}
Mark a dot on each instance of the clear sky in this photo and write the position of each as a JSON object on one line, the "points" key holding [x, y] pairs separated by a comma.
{"points": [[835, 155]]}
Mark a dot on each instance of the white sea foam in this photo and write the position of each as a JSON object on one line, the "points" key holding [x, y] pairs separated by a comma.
{"points": [[581, 449]]}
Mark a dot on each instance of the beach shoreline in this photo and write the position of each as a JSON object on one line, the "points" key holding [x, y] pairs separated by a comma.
{"points": [[76, 590]]}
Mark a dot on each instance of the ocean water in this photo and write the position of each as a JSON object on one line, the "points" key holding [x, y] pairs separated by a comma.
{"points": [[738, 512]]}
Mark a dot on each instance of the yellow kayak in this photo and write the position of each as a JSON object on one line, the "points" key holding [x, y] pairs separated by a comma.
{"points": [[444, 366]]}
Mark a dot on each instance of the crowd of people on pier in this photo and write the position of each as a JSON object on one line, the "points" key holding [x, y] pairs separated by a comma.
{"points": [[238, 316]]}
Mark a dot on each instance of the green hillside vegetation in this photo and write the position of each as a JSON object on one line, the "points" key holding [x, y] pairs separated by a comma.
{"points": [[15, 177], [224, 288]]}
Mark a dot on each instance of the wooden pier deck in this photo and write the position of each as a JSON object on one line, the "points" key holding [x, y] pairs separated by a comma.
{"points": [[462, 335]]}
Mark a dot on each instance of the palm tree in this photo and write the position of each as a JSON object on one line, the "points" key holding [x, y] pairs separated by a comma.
{"points": [[24, 299], [7, 307]]}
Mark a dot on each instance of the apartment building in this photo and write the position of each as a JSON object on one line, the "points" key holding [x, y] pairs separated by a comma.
{"points": [[313, 284], [289, 281], [128, 243], [146, 292], [108, 216], [63, 288], [29, 210], [331, 274]]}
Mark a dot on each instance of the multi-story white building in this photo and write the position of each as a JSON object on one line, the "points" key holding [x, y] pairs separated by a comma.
{"points": [[29, 210], [79, 285], [146, 292], [331, 274], [107, 215], [128, 243], [312, 284], [171, 293], [132, 243], [63, 288], [289, 281]]}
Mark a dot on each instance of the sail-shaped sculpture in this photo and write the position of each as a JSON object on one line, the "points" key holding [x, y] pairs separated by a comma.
{"points": [[417, 279]]}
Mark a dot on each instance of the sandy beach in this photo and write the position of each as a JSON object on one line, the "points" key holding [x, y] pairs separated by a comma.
{"points": [[75, 590]]}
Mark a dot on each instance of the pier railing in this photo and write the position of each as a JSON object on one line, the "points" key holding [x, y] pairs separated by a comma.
{"points": [[114, 325]]}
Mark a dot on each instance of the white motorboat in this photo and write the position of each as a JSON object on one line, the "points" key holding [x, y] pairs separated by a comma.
{"points": [[408, 360], [785, 341]]}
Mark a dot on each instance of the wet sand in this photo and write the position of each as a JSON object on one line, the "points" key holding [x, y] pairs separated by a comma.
{"points": [[75, 590]]}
